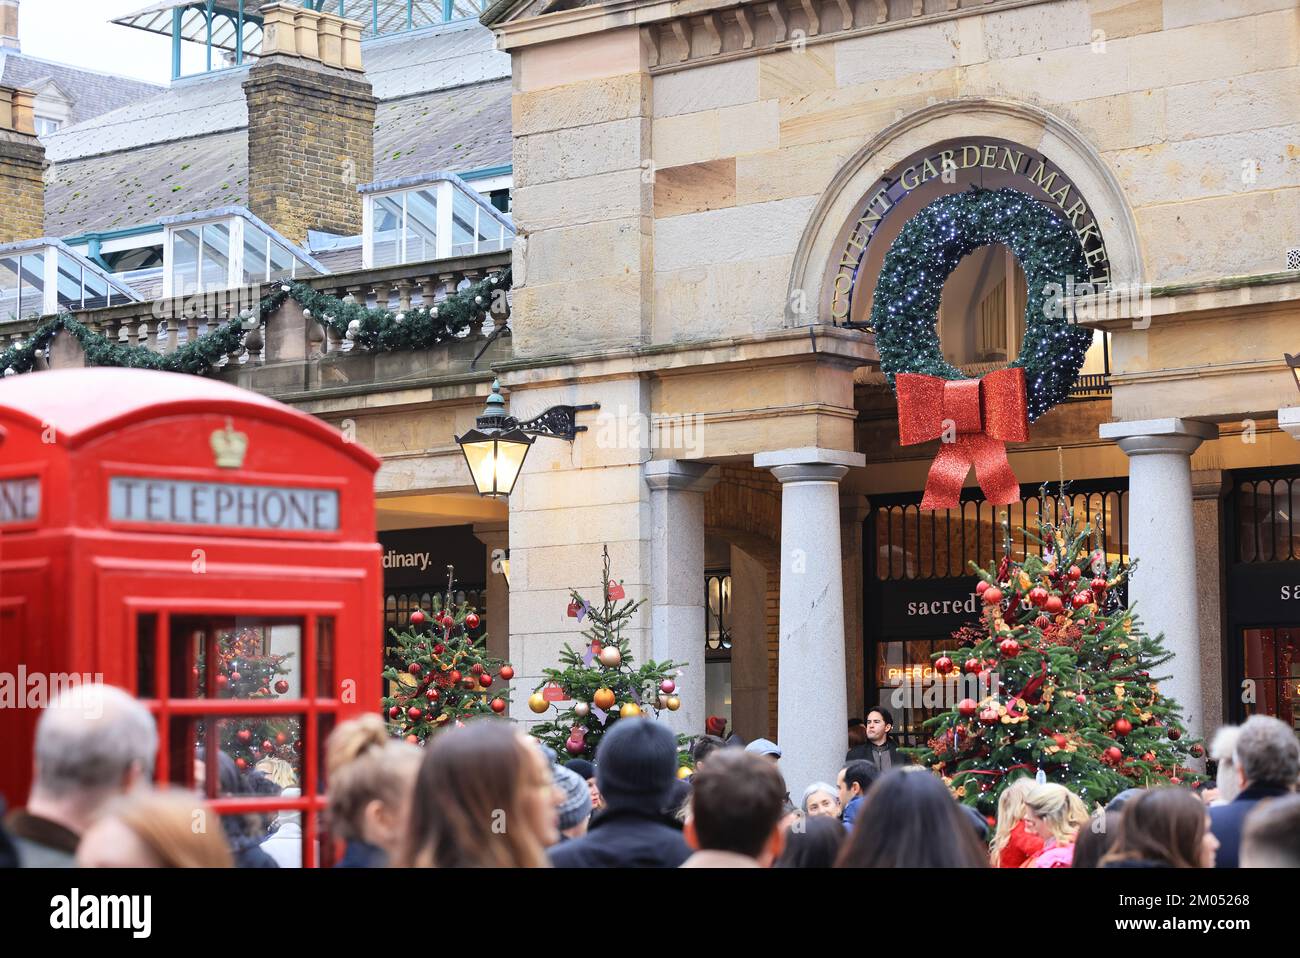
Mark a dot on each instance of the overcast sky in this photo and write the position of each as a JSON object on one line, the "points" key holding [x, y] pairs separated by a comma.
{"points": [[78, 32]]}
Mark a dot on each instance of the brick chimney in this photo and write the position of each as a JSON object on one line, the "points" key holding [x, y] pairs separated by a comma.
{"points": [[311, 123], [22, 168], [9, 25]]}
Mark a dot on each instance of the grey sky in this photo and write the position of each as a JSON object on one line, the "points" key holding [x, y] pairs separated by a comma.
{"points": [[78, 32]]}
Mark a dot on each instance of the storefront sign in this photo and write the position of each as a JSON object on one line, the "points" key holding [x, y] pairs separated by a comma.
{"points": [[227, 505], [928, 606], [1024, 169], [1264, 593], [20, 500]]}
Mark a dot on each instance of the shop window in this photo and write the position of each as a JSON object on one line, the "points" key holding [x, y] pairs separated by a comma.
{"points": [[717, 643], [1272, 673], [238, 711], [1267, 530]]}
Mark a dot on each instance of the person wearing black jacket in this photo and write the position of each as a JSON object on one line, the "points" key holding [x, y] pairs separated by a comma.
{"points": [[1267, 757], [636, 768], [879, 748]]}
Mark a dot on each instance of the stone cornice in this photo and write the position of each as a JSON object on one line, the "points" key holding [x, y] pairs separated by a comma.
{"points": [[1262, 294]]}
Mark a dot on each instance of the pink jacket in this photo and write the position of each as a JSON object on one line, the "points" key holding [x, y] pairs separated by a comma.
{"points": [[1053, 856]]}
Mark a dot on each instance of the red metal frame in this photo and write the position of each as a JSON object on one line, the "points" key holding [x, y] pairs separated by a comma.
{"points": [[74, 585]]}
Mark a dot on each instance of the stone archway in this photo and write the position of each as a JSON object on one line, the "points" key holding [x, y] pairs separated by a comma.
{"points": [[966, 118]]}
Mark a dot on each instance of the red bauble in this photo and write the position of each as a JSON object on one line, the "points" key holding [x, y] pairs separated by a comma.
{"points": [[244, 736], [1175, 780], [981, 587], [470, 682], [943, 665], [1123, 726], [281, 686], [992, 596], [1197, 751], [447, 621], [1053, 605], [439, 649], [485, 680], [415, 668], [1080, 599], [498, 706], [417, 617], [1112, 755], [1042, 622], [971, 666], [394, 712], [1010, 648], [454, 676], [240, 764], [1175, 735], [575, 746], [967, 707], [668, 686], [267, 745], [432, 694], [1149, 757], [1074, 572], [1060, 740], [1080, 698], [263, 691], [413, 739], [414, 713], [235, 676], [1038, 595], [281, 738], [471, 621], [476, 668], [1098, 585], [990, 716], [507, 673]]}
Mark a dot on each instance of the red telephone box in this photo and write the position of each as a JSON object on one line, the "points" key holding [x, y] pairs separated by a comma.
{"points": [[165, 532]]}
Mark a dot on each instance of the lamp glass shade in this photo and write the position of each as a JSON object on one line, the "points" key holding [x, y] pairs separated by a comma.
{"points": [[505, 570], [1295, 371], [494, 460]]}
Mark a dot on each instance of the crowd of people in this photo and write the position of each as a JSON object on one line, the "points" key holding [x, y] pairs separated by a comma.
{"points": [[488, 795]]}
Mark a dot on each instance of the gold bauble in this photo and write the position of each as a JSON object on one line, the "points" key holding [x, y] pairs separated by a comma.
{"points": [[674, 703], [537, 702], [603, 699], [610, 657], [683, 772], [630, 710]]}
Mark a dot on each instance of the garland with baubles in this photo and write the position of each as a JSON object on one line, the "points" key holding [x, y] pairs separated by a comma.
{"points": [[370, 329]]}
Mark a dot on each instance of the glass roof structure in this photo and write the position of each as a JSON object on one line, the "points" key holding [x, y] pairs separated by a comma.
{"points": [[40, 277], [422, 218], [227, 248], [233, 28]]}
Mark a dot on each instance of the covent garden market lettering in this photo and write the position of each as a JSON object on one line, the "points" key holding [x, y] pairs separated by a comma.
{"points": [[1038, 173]]}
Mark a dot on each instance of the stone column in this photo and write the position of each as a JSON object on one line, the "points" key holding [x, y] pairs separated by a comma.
{"points": [[677, 492], [854, 509], [811, 698], [1209, 486], [1162, 538], [495, 536]]}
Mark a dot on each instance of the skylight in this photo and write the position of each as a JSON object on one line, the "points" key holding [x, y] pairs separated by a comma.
{"points": [[420, 218], [40, 277]]}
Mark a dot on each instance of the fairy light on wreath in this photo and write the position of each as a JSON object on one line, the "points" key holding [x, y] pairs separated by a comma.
{"points": [[932, 393]]}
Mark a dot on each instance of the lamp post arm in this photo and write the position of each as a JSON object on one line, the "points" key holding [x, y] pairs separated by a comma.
{"points": [[558, 422]]}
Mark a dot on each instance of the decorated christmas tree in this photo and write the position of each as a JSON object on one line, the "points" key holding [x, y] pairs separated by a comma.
{"points": [[1058, 680], [245, 669], [602, 683], [440, 672]]}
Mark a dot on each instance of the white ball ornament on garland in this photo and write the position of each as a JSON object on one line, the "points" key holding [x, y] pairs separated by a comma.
{"points": [[611, 657], [581, 709], [306, 314], [400, 317]]}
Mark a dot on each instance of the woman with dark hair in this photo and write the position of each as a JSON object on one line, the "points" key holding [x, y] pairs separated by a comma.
{"points": [[1163, 828], [911, 820], [484, 798], [814, 841]]}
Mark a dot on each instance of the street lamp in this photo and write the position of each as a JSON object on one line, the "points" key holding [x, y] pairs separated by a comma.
{"points": [[496, 447], [1294, 363]]}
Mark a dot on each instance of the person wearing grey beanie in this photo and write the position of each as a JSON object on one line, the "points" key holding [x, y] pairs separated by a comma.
{"points": [[575, 810], [636, 767]]}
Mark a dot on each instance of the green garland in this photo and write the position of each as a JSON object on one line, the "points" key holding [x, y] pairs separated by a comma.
{"points": [[373, 330], [928, 249]]}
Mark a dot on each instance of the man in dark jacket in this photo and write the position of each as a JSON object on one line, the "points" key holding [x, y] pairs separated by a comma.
{"points": [[879, 749], [636, 766], [1267, 757]]}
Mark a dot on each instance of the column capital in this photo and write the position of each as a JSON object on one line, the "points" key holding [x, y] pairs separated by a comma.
{"points": [[1154, 436], [680, 475], [1288, 421], [809, 456]]}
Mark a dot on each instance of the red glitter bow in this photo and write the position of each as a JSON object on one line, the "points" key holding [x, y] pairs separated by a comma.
{"points": [[986, 413]]}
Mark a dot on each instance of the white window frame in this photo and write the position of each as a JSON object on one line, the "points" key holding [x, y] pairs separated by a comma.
{"points": [[443, 190]]}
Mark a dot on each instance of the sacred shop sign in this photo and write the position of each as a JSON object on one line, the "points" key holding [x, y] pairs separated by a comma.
{"points": [[927, 607], [1264, 593]]}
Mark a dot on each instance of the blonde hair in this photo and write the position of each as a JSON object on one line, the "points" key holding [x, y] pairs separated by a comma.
{"points": [[177, 827], [363, 763], [1060, 809], [1011, 809]]}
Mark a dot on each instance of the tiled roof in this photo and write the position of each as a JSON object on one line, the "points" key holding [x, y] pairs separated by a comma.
{"points": [[444, 104], [93, 94]]}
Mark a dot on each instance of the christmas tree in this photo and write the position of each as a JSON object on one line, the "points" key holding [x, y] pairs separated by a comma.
{"points": [[602, 683], [247, 670], [1058, 680], [439, 671]]}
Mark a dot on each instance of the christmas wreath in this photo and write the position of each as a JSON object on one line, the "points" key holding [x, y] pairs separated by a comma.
{"points": [[976, 417]]}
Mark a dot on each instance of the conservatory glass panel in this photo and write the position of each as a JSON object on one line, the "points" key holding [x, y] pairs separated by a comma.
{"points": [[388, 219], [421, 226], [8, 288], [255, 247], [95, 292], [216, 256], [31, 293], [464, 220], [69, 282], [185, 261], [282, 263]]}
